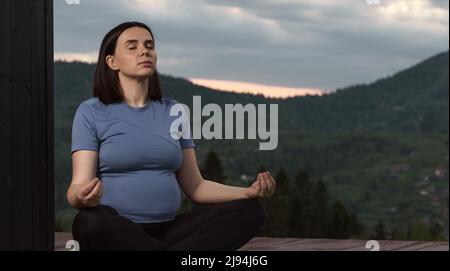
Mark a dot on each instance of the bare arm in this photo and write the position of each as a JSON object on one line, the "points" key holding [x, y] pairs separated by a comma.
{"points": [[205, 191], [85, 189]]}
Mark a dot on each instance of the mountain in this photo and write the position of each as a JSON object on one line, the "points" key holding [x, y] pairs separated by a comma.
{"points": [[381, 148], [413, 100]]}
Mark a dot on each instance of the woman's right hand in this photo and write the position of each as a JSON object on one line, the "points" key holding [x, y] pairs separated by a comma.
{"points": [[90, 193]]}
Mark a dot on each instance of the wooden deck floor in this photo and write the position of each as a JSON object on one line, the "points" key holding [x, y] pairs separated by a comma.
{"points": [[296, 244]]}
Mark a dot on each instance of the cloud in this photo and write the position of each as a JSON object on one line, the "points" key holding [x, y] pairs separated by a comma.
{"points": [[246, 87], [442, 4], [89, 58], [319, 44]]}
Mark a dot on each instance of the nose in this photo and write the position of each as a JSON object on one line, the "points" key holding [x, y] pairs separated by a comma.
{"points": [[145, 52]]}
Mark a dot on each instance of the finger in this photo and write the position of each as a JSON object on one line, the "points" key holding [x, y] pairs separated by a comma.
{"points": [[89, 187], [95, 194], [258, 183], [263, 184], [100, 191], [274, 183], [100, 194], [269, 183], [95, 191]]}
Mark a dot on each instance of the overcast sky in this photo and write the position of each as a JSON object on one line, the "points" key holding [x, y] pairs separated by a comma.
{"points": [[314, 44]]}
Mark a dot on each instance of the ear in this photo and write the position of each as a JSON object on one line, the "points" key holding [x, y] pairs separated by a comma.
{"points": [[110, 62]]}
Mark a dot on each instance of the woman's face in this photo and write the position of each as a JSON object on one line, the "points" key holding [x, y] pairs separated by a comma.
{"points": [[135, 54]]}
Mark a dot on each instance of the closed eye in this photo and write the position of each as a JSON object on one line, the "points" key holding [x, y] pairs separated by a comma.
{"points": [[148, 47]]}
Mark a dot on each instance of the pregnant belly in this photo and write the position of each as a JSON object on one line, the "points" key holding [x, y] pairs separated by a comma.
{"points": [[144, 196]]}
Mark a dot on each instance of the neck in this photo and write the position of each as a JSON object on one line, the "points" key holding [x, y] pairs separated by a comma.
{"points": [[135, 90]]}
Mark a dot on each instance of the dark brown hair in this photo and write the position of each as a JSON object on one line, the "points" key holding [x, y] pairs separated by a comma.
{"points": [[106, 81]]}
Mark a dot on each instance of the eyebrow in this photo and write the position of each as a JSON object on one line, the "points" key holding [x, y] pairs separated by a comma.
{"points": [[135, 41]]}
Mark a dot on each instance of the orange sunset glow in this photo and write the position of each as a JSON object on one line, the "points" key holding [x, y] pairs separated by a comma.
{"points": [[253, 88]]}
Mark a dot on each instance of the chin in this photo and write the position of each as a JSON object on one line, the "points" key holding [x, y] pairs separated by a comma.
{"points": [[144, 74]]}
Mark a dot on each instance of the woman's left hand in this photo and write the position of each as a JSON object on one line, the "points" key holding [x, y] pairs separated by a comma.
{"points": [[263, 187]]}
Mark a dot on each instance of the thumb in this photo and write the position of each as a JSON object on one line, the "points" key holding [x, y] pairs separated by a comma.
{"points": [[258, 183]]}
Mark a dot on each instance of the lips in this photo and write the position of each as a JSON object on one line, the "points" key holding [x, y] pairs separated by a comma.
{"points": [[146, 63]]}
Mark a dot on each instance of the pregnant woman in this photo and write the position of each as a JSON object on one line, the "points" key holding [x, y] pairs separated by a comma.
{"points": [[128, 168]]}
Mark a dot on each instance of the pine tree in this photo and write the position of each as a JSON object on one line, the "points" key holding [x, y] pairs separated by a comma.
{"points": [[320, 210], [339, 226], [420, 232], [277, 208], [300, 214], [395, 234], [409, 232], [436, 231], [380, 232], [213, 169], [356, 228], [300, 209], [297, 222]]}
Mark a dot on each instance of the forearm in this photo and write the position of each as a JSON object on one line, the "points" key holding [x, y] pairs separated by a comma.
{"points": [[72, 198], [213, 192]]}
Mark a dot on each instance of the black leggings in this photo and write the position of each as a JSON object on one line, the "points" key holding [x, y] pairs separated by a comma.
{"points": [[222, 226]]}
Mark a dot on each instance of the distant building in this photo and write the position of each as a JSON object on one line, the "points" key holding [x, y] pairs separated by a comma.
{"points": [[423, 192], [435, 200], [441, 172]]}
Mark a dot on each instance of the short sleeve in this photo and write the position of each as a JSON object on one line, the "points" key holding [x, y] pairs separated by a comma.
{"points": [[186, 140], [187, 143], [185, 135], [84, 135]]}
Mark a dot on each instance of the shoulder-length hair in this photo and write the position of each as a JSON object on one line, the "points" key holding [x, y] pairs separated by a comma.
{"points": [[106, 81]]}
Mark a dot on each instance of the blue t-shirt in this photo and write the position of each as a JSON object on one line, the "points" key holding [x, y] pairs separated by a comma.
{"points": [[138, 156]]}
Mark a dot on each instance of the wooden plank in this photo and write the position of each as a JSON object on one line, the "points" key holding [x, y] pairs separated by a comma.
{"points": [[291, 245], [397, 245], [407, 245], [328, 245], [322, 245], [49, 106], [26, 125], [261, 242], [287, 244], [6, 171], [39, 144], [297, 244], [441, 246], [61, 239], [22, 133]]}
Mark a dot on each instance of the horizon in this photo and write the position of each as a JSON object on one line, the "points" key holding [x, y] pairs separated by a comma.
{"points": [[253, 88], [296, 46]]}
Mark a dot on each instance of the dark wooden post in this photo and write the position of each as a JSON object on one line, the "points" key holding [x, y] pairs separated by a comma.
{"points": [[26, 125]]}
